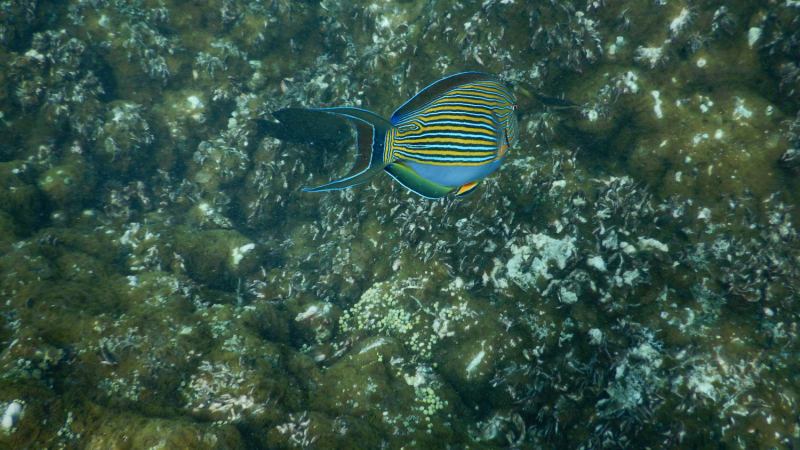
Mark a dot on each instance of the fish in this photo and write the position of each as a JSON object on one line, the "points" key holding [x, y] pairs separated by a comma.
{"points": [[446, 138]]}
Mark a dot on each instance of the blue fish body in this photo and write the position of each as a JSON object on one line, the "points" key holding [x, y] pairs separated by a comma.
{"points": [[448, 137]]}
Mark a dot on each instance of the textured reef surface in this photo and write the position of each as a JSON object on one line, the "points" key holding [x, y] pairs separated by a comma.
{"points": [[629, 278]]}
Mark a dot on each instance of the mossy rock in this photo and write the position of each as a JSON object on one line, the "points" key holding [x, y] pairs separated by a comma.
{"points": [[133, 432], [69, 185], [217, 258], [19, 196]]}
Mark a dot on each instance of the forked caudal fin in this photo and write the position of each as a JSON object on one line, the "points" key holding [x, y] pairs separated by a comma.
{"points": [[371, 132]]}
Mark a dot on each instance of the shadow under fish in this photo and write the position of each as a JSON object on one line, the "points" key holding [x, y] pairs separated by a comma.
{"points": [[448, 137], [304, 126]]}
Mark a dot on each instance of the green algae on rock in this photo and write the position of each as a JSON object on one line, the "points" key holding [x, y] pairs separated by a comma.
{"points": [[630, 278], [69, 185]]}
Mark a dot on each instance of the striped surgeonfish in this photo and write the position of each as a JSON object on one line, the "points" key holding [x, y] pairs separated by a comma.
{"points": [[448, 137]]}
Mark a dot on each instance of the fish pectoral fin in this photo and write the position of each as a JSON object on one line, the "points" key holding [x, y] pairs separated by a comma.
{"points": [[371, 132], [499, 133], [406, 176], [467, 189]]}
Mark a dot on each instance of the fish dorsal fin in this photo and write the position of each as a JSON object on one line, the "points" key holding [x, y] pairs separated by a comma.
{"points": [[371, 132], [435, 91], [407, 177]]}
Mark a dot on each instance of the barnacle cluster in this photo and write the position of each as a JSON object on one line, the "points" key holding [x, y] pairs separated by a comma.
{"points": [[627, 279]]}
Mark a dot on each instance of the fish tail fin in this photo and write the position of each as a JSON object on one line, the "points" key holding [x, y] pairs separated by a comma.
{"points": [[303, 126], [371, 131]]}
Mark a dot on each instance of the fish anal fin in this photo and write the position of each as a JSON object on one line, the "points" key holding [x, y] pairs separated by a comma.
{"points": [[406, 176]]}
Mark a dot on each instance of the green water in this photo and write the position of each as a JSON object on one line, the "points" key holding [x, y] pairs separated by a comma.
{"points": [[629, 278]]}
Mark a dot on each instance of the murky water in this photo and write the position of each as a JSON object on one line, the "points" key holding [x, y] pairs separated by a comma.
{"points": [[627, 278]]}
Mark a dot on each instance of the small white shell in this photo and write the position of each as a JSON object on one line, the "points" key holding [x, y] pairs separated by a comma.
{"points": [[11, 415]]}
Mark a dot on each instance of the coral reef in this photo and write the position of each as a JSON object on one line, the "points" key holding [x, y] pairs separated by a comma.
{"points": [[629, 278]]}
